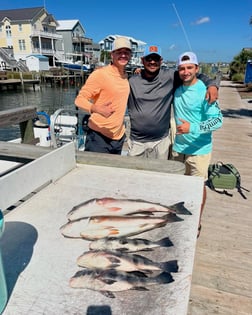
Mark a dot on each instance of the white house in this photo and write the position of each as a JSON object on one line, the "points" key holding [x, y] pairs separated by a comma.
{"points": [[37, 63], [137, 46]]}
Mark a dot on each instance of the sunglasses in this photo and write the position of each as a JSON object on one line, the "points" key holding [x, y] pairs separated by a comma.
{"points": [[155, 58]]}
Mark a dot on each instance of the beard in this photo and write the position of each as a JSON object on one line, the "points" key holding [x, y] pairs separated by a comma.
{"points": [[151, 73]]}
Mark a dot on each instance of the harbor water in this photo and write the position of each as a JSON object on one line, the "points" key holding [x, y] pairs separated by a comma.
{"points": [[45, 98]]}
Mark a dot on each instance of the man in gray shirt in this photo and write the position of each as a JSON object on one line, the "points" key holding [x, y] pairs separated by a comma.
{"points": [[149, 105]]}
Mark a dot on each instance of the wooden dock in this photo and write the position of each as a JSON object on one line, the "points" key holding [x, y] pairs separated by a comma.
{"points": [[15, 83], [222, 276]]}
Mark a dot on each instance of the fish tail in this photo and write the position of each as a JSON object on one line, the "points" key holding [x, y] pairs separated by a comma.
{"points": [[169, 266], [164, 277], [179, 208], [164, 242], [172, 217]]}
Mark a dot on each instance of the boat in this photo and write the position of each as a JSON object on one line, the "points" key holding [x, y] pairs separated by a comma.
{"points": [[56, 130], [65, 126], [76, 67], [61, 127]]}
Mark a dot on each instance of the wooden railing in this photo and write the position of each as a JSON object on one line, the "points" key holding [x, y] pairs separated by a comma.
{"points": [[22, 116]]}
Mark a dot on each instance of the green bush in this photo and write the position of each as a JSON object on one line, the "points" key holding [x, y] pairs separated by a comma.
{"points": [[238, 77]]}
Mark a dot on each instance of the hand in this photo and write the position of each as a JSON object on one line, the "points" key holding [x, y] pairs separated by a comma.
{"points": [[184, 127], [137, 71], [212, 94], [105, 109]]}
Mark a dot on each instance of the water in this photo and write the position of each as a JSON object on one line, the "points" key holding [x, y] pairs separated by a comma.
{"points": [[44, 98]]}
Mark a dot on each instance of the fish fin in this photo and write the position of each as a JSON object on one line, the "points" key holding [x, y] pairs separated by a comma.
{"points": [[140, 289], [105, 200], [113, 231], [179, 208], [164, 277], [169, 266], [164, 242], [108, 294], [114, 209]]}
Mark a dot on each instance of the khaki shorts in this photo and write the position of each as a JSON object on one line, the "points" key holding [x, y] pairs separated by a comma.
{"points": [[152, 150], [195, 165]]}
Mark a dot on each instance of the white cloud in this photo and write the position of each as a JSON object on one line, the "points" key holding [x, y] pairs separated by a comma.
{"points": [[202, 20], [172, 47]]}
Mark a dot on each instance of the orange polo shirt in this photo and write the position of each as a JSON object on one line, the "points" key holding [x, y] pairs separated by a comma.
{"points": [[105, 85]]}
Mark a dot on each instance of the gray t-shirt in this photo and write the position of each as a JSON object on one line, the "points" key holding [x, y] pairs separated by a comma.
{"points": [[149, 105]]}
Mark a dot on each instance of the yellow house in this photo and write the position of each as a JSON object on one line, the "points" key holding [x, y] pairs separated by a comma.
{"points": [[28, 31]]}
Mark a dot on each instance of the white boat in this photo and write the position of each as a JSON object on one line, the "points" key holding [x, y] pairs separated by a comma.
{"points": [[76, 67], [53, 131], [61, 127]]}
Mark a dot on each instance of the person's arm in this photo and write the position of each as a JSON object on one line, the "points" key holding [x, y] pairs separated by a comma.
{"points": [[87, 95], [213, 122], [212, 87]]}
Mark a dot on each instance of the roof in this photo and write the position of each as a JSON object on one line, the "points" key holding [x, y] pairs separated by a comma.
{"points": [[132, 39], [66, 25], [20, 14], [41, 57]]}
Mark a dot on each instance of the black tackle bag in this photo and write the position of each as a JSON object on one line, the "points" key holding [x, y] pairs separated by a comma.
{"points": [[225, 176]]}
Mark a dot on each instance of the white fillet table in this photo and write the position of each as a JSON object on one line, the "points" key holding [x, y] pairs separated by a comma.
{"points": [[39, 261]]}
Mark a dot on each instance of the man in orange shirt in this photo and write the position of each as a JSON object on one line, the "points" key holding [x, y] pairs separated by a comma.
{"points": [[104, 96]]}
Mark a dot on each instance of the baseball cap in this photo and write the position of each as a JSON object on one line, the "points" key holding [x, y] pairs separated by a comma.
{"points": [[121, 42], [152, 49], [188, 57]]}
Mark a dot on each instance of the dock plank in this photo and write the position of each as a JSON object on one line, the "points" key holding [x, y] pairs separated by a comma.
{"points": [[222, 273]]}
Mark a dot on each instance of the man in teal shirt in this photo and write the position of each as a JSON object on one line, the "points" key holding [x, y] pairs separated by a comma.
{"points": [[195, 120]]}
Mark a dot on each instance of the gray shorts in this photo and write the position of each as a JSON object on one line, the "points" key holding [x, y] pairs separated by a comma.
{"points": [[153, 149]]}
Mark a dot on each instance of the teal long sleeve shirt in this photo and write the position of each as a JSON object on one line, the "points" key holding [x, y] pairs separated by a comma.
{"points": [[190, 105]]}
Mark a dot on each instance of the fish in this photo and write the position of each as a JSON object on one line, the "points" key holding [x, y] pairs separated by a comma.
{"points": [[124, 262], [109, 281], [104, 226], [129, 245], [120, 207]]}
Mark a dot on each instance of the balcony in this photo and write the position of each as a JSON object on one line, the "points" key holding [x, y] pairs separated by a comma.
{"points": [[46, 35], [43, 51], [82, 40]]}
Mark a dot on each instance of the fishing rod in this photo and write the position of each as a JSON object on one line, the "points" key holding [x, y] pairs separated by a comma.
{"points": [[182, 26]]}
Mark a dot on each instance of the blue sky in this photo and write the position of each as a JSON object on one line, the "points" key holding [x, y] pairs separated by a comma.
{"points": [[216, 30]]}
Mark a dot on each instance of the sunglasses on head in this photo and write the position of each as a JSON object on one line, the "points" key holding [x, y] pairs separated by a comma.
{"points": [[153, 57]]}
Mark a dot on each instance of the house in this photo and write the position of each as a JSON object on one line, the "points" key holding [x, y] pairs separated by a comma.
{"points": [[29, 31], [77, 47], [138, 47], [37, 63]]}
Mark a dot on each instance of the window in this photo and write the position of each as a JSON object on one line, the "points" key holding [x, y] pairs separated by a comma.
{"points": [[21, 44], [20, 27], [8, 31]]}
